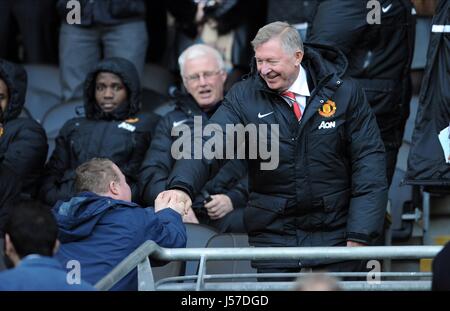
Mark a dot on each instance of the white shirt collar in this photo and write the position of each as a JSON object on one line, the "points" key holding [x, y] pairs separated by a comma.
{"points": [[300, 85]]}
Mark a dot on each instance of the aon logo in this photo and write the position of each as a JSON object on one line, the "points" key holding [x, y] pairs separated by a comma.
{"points": [[327, 125]]}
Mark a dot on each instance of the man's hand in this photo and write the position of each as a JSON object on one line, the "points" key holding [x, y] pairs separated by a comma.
{"points": [[165, 201], [177, 196], [189, 217], [353, 244], [219, 206]]}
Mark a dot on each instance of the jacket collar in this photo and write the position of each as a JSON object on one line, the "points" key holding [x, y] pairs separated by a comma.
{"points": [[39, 261], [189, 106], [300, 85]]}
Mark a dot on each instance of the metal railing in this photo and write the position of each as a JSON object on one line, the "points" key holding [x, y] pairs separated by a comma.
{"points": [[149, 249]]}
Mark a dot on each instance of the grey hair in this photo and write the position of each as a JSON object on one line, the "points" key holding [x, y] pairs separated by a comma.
{"points": [[288, 35], [197, 51]]}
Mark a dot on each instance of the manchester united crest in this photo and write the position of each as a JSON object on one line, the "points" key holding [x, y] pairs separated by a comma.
{"points": [[132, 120], [328, 109]]}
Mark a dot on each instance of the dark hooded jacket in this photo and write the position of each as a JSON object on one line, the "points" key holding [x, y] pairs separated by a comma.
{"points": [[122, 136], [23, 143], [379, 57], [100, 232], [330, 183], [427, 164], [230, 180]]}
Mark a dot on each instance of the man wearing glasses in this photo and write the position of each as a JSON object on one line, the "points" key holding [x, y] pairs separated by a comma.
{"points": [[220, 203]]}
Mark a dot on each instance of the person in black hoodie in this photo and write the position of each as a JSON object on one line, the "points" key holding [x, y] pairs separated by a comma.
{"points": [[379, 56], [23, 143], [228, 26], [221, 201], [113, 128], [328, 185]]}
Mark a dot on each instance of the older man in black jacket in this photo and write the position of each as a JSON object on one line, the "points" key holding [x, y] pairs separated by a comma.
{"points": [[329, 188], [220, 203]]}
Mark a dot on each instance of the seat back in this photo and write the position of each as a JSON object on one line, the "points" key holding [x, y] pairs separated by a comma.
{"points": [[235, 240], [152, 100], [174, 268], [56, 117], [400, 195], [43, 91], [198, 235]]}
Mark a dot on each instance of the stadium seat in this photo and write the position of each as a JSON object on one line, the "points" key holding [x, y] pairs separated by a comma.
{"points": [[58, 115], [157, 78], [55, 118], [423, 32], [44, 90], [234, 240], [197, 236], [174, 268], [409, 126], [153, 101], [401, 196], [165, 109]]}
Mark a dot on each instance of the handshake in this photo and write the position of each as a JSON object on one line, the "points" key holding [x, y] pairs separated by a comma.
{"points": [[177, 200]]}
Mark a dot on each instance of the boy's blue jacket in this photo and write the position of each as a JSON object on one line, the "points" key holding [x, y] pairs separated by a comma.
{"points": [[100, 232]]}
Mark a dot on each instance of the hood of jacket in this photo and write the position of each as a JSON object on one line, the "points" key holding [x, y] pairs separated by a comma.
{"points": [[130, 78], [15, 78], [321, 62], [78, 217]]}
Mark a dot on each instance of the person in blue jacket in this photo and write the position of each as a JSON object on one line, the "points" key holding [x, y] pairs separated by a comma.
{"points": [[100, 226], [30, 242]]}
